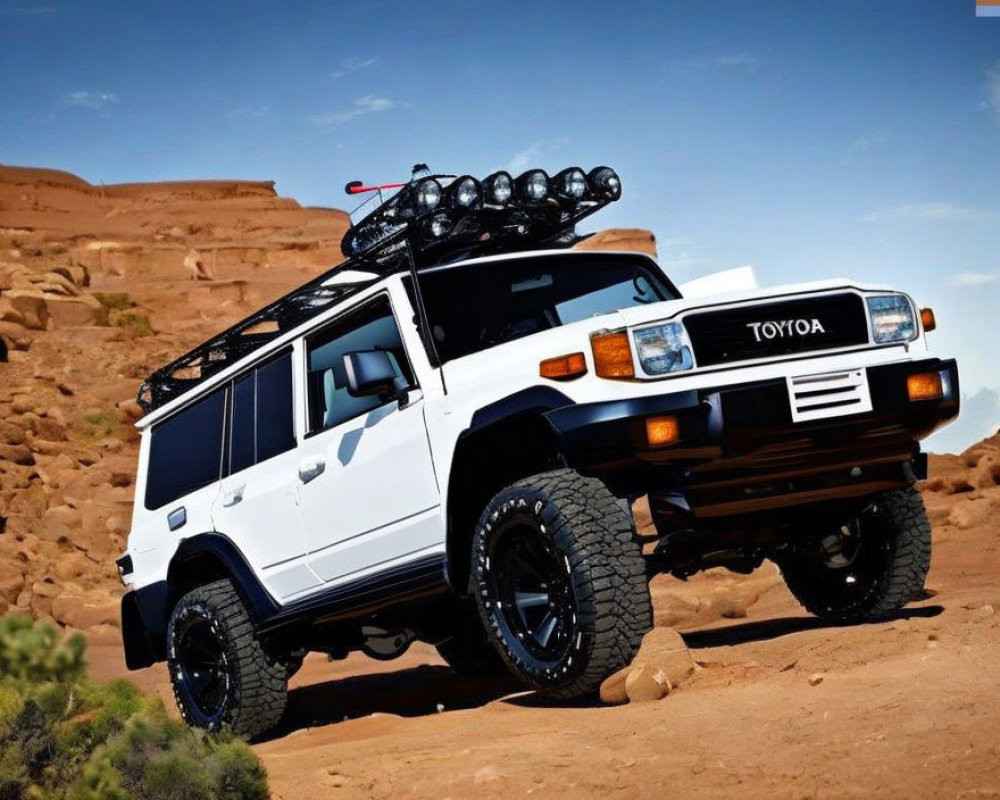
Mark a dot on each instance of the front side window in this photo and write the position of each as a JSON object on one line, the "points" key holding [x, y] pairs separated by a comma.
{"points": [[186, 451], [372, 327]]}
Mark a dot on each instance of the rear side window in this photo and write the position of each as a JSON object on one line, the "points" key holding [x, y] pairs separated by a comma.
{"points": [[186, 451], [263, 417]]}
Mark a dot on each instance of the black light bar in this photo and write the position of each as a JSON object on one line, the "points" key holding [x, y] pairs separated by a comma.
{"points": [[443, 215]]}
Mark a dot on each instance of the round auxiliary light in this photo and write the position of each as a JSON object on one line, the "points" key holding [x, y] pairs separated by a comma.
{"points": [[428, 195], [571, 184], [498, 188], [438, 226], [605, 183], [464, 192], [533, 186]]}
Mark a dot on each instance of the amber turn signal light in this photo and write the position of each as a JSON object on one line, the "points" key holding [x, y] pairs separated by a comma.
{"points": [[924, 386], [662, 431], [612, 355], [927, 319], [563, 368]]}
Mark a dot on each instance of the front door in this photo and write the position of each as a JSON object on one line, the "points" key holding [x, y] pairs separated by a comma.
{"points": [[369, 499]]}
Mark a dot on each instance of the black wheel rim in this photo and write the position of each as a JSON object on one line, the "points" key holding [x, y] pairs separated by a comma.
{"points": [[866, 549], [530, 584], [203, 665]]}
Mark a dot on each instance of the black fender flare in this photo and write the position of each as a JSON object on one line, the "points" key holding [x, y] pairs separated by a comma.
{"points": [[220, 548]]}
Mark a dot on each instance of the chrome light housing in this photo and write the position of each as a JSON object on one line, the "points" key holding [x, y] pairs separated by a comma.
{"points": [[663, 349], [533, 186], [605, 183], [892, 318], [465, 192], [427, 195], [570, 184], [498, 188]]}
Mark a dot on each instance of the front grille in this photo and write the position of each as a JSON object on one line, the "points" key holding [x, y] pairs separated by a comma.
{"points": [[777, 329]]}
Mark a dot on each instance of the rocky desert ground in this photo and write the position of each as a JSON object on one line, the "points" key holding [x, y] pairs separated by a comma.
{"points": [[100, 284]]}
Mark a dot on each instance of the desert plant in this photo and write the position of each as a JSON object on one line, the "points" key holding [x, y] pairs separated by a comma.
{"points": [[133, 322], [114, 301], [63, 737]]}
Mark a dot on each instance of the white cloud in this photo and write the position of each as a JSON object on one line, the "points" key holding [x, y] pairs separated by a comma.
{"points": [[248, 112], [737, 61], [974, 278], [744, 61], [92, 100], [931, 212], [369, 104], [28, 11], [349, 65], [532, 155]]}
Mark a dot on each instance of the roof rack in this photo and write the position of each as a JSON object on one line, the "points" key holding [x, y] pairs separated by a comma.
{"points": [[431, 220]]}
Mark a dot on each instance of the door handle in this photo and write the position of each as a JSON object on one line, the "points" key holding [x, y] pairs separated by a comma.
{"points": [[310, 468], [233, 497]]}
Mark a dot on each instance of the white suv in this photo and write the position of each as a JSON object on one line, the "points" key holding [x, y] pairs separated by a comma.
{"points": [[440, 440]]}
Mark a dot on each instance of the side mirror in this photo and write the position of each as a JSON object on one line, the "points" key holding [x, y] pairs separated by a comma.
{"points": [[372, 372]]}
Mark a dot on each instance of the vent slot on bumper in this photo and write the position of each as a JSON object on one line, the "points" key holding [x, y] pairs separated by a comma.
{"points": [[835, 394]]}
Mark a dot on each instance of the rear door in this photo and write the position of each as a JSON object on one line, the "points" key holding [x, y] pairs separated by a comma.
{"points": [[369, 498], [257, 506]]}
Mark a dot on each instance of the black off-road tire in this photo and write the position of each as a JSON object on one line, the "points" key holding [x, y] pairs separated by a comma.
{"points": [[468, 651], [211, 623], [575, 533], [887, 571]]}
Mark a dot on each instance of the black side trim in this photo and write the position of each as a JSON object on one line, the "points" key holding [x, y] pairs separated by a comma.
{"points": [[363, 596], [537, 399]]}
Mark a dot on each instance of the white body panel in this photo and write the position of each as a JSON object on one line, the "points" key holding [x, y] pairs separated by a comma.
{"points": [[377, 502]]}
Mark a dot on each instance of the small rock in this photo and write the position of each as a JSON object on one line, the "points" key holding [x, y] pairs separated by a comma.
{"points": [[815, 680], [983, 613], [487, 774], [642, 686]]}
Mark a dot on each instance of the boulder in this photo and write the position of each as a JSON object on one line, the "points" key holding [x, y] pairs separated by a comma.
{"points": [[74, 312], [663, 659], [87, 609], [26, 307]]}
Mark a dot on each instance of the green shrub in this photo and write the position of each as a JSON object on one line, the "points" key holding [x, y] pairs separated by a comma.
{"points": [[114, 301], [133, 322], [99, 425], [65, 738]]}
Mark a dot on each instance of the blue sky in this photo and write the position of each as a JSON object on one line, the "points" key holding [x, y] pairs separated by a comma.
{"points": [[808, 139]]}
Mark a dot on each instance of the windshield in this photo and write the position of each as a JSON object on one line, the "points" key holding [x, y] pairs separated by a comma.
{"points": [[476, 307]]}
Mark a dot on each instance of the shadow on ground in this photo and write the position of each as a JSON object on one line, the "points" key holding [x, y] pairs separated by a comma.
{"points": [[766, 629], [415, 692]]}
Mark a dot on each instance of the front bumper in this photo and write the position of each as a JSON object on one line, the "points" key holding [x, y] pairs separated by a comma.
{"points": [[739, 450]]}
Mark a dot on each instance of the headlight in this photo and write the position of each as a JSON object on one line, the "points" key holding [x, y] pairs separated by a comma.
{"points": [[464, 192], [570, 184], [498, 188], [534, 186], [664, 349], [428, 195], [893, 319], [605, 183]]}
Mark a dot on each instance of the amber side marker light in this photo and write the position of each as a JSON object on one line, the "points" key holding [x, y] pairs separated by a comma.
{"points": [[563, 368], [612, 355], [924, 386], [662, 431], [927, 319]]}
